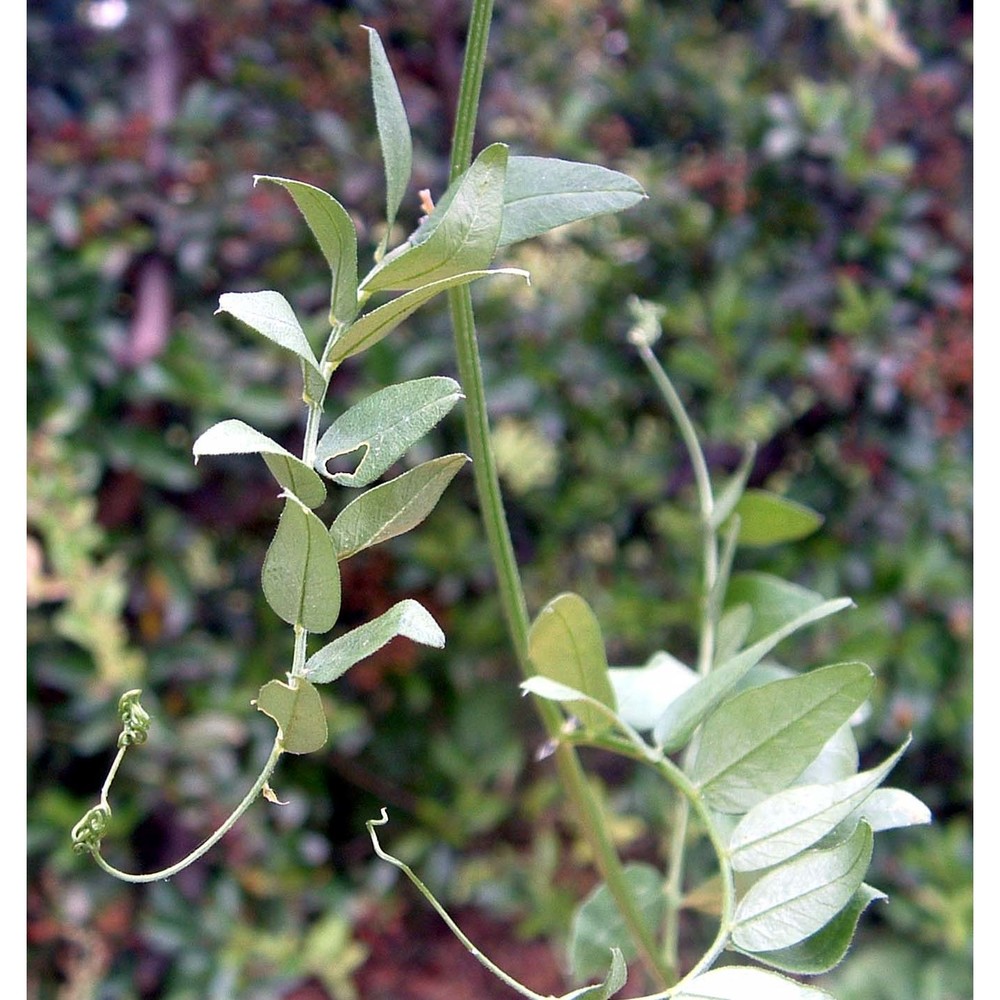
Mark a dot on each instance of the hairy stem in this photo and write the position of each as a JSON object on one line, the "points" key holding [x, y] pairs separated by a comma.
{"points": [[593, 824]]}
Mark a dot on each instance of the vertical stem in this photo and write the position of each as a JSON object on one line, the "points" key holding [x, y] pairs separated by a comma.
{"points": [[706, 636], [592, 823]]}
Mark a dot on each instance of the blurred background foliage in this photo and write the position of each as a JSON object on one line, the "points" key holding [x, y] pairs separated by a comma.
{"points": [[807, 245]]}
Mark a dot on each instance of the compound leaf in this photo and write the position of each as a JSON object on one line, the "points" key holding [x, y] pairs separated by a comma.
{"points": [[337, 239], [407, 618], [542, 193], [565, 645], [758, 741], [385, 424], [233, 437], [456, 238], [271, 316], [394, 507], [298, 711], [792, 902], [301, 578]]}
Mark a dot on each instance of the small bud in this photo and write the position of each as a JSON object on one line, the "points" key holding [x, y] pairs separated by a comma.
{"points": [[135, 719]]}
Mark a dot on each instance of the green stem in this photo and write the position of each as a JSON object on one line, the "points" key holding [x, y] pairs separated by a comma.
{"points": [[592, 823], [708, 614], [248, 800]]}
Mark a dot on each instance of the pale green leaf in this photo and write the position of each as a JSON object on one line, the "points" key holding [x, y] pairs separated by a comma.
{"points": [[393, 128], [458, 238], [791, 821], [772, 600], [301, 578], [732, 492], [613, 981], [643, 693], [677, 724], [598, 924], [394, 507], [738, 982], [837, 760], [892, 808], [824, 950], [766, 519], [233, 437], [791, 902], [565, 645], [298, 711], [271, 316], [758, 741], [542, 193], [337, 239], [732, 632], [407, 618], [385, 424], [373, 326]]}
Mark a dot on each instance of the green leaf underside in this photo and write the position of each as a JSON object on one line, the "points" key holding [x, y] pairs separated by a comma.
{"points": [[298, 711], [542, 193], [773, 601], [613, 981], [271, 316], [598, 924], [757, 742], [233, 437], [795, 819], [678, 723], [767, 519], [643, 693], [460, 238], [407, 618], [891, 808], [792, 902], [565, 645], [393, 128], [301, 578], [394, 507], [337, 238], [743, 983], [824, 950], [837, 760], [385, 424], [380, 322]]}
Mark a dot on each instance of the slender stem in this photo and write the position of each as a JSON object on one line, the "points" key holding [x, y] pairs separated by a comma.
{"points": [[248, 800], [592, 823], [119, 757], [708, 614]]}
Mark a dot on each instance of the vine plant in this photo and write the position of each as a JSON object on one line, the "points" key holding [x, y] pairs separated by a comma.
{"points": [[761, 761]]}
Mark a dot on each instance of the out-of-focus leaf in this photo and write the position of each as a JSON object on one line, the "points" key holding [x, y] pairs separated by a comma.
{"points": [[677, 724], [542, 193], [459, 238], [380, 322], [732, 632], [825, 949], [394, 507], [643, 693], [565, 645], [337, 239], [598, 924], [767, 519], [758, 741], [271, 316], [301, 578], [613, 981], [737, 982], [792, 902], [407, 618], [393, 128], [298, 711], [790, 821], [733, 491], [233, 437], [773, 601], [385, 424]]}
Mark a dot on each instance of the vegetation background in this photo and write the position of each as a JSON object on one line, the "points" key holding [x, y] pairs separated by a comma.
{"points": [[808, 242]]}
